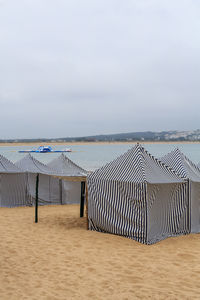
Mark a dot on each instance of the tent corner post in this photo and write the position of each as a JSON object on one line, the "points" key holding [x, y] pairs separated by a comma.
{"points": [[82, 199], [36, 198], [60, 188], [86, 210]]}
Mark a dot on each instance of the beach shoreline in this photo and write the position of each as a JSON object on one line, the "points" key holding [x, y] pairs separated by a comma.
{"points": [[15, 144]]}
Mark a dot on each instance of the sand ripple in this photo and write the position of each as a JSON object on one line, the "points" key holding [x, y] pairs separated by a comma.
{"points": [[59, 259]]}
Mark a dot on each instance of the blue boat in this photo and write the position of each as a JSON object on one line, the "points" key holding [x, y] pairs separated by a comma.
{"points": [[44, 149]]}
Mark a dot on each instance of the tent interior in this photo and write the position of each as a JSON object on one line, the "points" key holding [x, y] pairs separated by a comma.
{"points": [[60, 185], [70, 176]]}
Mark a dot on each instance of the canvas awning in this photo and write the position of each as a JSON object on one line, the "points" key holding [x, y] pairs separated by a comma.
{"points": [[139, 166], [6, 166], [31, 165], [182, 165], [66, 169]]}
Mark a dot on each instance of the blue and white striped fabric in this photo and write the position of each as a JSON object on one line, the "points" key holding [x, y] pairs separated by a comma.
{"points": [[12, 184], [182, 165], [167, 211], [70, 190], [7, 167], [139, 197], [31, 165], [66, 167], [52, 190], [137, 165], [188, 170], [49, 188], [118, 208]]}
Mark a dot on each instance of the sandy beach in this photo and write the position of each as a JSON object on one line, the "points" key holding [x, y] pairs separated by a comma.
{"points": [[59, 259]]}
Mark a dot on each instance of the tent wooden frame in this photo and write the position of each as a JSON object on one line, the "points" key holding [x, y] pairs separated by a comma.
{"points": [[84, 193]]}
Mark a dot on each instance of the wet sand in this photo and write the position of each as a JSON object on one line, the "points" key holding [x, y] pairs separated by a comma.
{"points": [[59, 259]]}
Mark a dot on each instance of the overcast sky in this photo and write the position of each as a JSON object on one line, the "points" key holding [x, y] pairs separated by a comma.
{"points": [[75, 68]]}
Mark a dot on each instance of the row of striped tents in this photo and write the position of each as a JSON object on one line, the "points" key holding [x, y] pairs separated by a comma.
{"points": [[18, 181], [71, 179], [139, 197], [188, 170], [66, 167], [49, 192], [12, 184], [59, 181]]}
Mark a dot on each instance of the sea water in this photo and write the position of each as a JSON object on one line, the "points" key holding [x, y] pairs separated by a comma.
{"points": [[93, 156]]}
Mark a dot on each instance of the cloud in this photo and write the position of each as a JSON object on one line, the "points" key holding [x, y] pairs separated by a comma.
{"points": [[98, 66]]}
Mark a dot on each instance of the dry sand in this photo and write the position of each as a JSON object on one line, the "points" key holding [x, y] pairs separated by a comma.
{"points": [[59, 259]]}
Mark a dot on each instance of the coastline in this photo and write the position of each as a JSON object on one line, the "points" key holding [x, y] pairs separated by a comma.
{"points": [[94, 143]]}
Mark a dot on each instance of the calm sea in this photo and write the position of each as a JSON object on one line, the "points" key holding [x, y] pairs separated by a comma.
{"points": [[94, 156]]}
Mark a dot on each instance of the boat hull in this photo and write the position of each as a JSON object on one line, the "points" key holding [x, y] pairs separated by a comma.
{"points": [[35, 151]]}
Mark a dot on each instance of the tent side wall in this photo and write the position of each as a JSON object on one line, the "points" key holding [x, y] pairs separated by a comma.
{"points": [[13, 190], [53, 190], [168, 211], [195, 206], [118, 208], [71, 192], [49, 189]]}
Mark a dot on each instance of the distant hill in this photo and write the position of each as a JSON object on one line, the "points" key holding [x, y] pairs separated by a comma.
{"points": [[174, 136], [144, 136]]}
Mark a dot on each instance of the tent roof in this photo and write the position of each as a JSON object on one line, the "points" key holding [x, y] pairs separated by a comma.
{"points": [[65, 167], [182, 165], [6, 166], [139, 166], [30, 164]]}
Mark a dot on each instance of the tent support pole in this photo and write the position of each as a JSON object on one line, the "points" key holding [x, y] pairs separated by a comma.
{"points": [[82, 199], [189, 205], [86, 200], [146, 200], [36, 198], [60, 185]]}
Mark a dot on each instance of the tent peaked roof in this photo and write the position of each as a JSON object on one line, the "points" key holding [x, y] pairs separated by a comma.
{"points": [[65, 167], [137, 165], [29, 164], [6, 166], [182, 165]]}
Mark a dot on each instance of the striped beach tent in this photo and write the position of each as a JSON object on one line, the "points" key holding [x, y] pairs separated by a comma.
{"points": [[72, 177], [66, 167], [139, 197], [31, 165], [12, 184], [49, 188], [188, 170]]}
